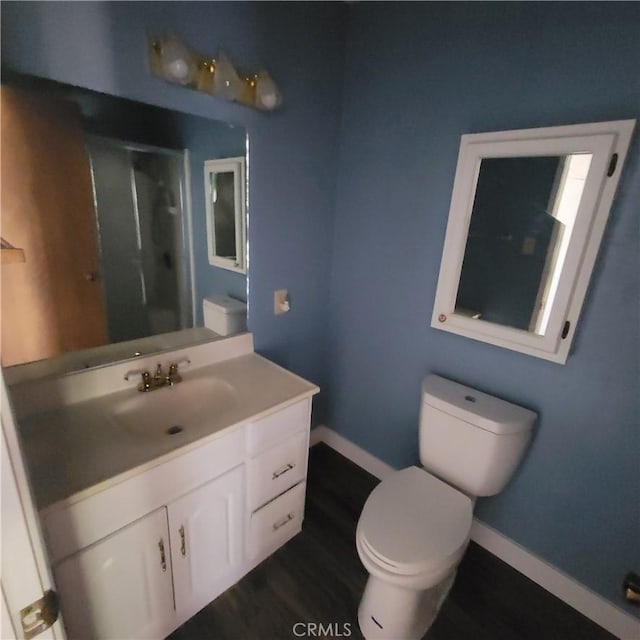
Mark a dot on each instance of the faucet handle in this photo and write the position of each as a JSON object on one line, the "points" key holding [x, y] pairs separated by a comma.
{"points": [[145, 385], [174, 376], [136, 372]]}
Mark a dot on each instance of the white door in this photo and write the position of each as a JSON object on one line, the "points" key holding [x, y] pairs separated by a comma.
{"points": [[25, 574], [206, 541], [121, 586]]}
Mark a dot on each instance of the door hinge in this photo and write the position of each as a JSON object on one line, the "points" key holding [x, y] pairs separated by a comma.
{"points": [[613, 163], [39, 615]]}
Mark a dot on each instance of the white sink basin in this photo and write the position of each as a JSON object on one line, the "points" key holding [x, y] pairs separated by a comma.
{"points": [[173, 410]]}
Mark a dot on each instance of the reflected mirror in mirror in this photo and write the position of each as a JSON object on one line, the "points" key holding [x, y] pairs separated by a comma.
{"points": [[522, 219], [224, 219], [224, 182], [105, 197], [527, 215]]}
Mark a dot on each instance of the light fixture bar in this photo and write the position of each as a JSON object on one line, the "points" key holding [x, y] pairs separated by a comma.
{"points": [[174, 62]]}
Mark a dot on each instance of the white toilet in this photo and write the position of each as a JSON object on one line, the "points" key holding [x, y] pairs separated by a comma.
{"points": [[415, 526]]}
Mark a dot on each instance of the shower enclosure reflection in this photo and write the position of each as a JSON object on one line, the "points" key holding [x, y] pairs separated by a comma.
{"points": [[140, 222]]}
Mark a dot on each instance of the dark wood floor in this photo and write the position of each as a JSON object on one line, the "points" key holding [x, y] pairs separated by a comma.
{"points": [[317, 578]]}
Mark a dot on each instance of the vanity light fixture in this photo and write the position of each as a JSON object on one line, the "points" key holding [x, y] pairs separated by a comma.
{"points": [[177, 63], [174, 62], [267, 94], [226, 82]]}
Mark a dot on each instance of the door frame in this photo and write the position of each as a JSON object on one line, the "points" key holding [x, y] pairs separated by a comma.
{"points": [[25, 574]]}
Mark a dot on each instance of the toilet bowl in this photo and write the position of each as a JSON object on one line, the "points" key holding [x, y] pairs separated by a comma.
{"points": [[415, 525], [411, 536]]}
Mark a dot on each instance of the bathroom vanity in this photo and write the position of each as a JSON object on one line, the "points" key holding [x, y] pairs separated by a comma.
{"points": [[153, 504]]}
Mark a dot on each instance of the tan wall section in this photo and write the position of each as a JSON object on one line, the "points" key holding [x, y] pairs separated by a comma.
{"points": [[49, 303]]}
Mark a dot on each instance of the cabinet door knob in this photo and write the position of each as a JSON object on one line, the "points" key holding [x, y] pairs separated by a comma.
{"points": [[183, 545], [163, 559]]}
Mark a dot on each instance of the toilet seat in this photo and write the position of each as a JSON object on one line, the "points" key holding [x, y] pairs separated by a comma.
{"points": [[414, 523]]}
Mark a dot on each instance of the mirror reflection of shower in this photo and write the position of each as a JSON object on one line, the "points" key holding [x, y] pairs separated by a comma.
{"points": [[142, 234]]}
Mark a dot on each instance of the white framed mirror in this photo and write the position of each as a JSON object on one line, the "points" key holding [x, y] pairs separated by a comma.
{"points": [[527, 215], [225, 197]]}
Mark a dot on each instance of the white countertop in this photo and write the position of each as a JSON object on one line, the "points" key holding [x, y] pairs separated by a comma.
{"points": [[75, 451]]}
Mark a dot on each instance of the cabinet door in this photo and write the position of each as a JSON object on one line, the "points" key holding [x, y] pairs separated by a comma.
{"points": [[120, 587], [206, 529]]}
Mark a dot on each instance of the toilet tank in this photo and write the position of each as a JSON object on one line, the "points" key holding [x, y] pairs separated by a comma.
{"points": [[224, 315], [470, 439]]}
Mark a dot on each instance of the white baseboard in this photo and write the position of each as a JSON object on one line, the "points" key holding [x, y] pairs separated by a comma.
{"points": [[348, 449], [561, 585], [564, 587]]}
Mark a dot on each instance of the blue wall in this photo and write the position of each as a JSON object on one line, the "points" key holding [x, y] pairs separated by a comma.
{"points": [[102, 46], [418, 75]]}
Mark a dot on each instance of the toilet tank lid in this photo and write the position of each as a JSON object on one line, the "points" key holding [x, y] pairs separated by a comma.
{"points": [[224, 304], [478, 408]]}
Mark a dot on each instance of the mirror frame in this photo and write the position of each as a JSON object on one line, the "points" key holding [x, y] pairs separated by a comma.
{"points": [[608, 143], [237, 167]]}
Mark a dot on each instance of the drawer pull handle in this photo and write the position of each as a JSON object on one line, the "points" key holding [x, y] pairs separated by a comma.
{"points": [[281, 523], [183, 545], [282, 470], [163, 559]]}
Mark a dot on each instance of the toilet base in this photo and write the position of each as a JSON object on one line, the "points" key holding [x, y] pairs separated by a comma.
{"points": [[389, 612]]}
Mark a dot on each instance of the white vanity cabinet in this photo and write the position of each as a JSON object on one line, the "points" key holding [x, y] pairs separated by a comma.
{"points": [[139, 557], [121, 586], [191, 550]]}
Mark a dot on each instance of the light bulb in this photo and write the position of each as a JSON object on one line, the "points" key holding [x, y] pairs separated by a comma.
{"points": [[226, 83], [267, 95], [177, 62]]}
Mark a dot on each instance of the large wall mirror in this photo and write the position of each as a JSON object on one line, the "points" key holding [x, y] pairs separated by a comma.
{"points": [[527, 214], [105, 198]]}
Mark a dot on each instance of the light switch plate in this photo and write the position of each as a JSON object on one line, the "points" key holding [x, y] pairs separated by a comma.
{"points": [[280, 301]]}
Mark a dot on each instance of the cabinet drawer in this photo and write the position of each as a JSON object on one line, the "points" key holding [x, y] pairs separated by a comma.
{"points": [[277, 469], [264, 434], [277, 521]]}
